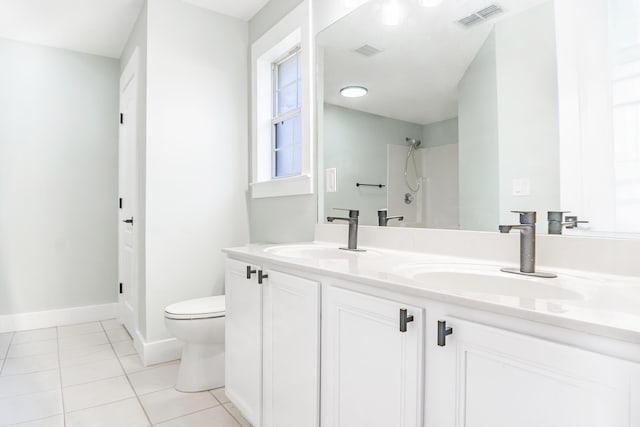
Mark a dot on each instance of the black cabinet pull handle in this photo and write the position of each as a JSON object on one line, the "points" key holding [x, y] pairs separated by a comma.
{"points": [[128, 221], [404, 319], [443, 331], [249, 272], [261, 276]]}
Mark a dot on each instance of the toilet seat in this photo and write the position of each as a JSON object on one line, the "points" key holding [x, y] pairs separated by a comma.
{"points": [[200, 308]]}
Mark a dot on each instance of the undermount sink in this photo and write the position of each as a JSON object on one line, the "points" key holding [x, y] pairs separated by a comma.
{"points": [[488, 280], [311, 251]]}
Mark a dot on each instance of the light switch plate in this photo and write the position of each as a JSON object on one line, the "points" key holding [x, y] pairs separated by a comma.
{"points": [[520, 187], [331, 180]]}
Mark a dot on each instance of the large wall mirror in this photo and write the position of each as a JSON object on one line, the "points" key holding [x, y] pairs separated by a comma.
{"points": [[476, 108]]}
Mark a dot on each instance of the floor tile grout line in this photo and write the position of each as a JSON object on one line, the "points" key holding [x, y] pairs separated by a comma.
{"points": [[194, 412], [149, 368], [36, 420], [6, 353], [102, 404], [128, 379], [28, 373], [155, 391], [16, 333], [64, 417], [60, 366], [30, 393], [229, 412], [31, 355], [223, 405], [94, 381]]}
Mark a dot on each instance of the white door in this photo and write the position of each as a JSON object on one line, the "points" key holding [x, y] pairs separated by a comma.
{"points": [[291, 351], [372, 372], [127, 170], [485, 376], [243, 339]]}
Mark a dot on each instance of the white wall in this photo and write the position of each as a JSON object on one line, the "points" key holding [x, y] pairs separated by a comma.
{"points": [[326, 12], [508, 123], [138, 41], [478, 146], [436, 204], [440, 190], [355, 143], [440, 133], [440, 199], [196, 153], [280, 219], [586, 98], [270, 14], [290, 219], [397, 188], [528, 111], [58, 178]]}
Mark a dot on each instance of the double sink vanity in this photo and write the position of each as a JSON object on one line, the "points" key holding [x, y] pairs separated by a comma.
{"points": [[470, 111], [319, 336]]}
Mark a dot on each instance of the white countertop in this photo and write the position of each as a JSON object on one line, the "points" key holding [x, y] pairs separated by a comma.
{"points": [[594, 303]]}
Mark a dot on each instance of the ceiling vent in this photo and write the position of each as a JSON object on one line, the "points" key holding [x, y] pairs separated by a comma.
{"points": [[481, 15], [367, 50]]}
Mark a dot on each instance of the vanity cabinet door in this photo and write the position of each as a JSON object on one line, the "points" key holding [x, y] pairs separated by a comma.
{"points": [[372, 372], [485, 376], [291, 351], [243, 339]]}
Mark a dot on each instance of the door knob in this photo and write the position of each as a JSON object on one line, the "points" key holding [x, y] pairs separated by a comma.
{"points": [[128, 221]]}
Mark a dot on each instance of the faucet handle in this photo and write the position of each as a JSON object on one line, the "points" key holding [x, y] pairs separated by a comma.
{"points": [[573, 220], [353, 213], [556, 215], [526, 217]]}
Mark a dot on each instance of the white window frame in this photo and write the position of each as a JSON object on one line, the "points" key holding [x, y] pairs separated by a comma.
{"points": [[293, 30], [276, 117]]}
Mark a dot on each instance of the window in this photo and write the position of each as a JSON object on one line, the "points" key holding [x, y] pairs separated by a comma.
{"points": [[283, 125], [287, 120]]}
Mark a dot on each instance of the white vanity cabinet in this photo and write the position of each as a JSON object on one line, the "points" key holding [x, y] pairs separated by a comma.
{"points": [[243, 339], [272, 346], [485, 376], [291, 351], [380, 363], [372, 371]]}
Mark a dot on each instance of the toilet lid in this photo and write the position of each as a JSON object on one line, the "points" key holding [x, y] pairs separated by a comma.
{"points": [[200, 308]]}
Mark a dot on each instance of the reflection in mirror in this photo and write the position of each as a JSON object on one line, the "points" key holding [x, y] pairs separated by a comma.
{"points": [[475, 109]]}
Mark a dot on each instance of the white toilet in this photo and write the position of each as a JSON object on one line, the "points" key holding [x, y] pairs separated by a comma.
{"points": [[199, 323]]}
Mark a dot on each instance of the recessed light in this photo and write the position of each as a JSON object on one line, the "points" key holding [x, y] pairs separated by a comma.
{"points": [[353, 91], [392, 13]]}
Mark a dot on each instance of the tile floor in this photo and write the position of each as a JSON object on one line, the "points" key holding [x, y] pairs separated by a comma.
{"points": [[90, 375]]}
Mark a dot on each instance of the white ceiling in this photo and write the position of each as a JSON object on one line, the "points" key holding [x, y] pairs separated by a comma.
{"points": [[243, 9], [416, 76], [99, 27]]}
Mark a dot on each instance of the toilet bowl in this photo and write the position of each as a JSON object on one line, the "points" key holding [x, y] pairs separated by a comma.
{"points": [[199, 323]]}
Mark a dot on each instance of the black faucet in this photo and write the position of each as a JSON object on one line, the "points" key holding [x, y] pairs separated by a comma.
{"points": [[383, 219], [556, 224], [527, 229], [353, 228]]}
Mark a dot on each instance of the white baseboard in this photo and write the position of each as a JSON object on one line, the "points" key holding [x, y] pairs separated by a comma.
{"points": [[156, 352], [51, 318], [151, 353]]}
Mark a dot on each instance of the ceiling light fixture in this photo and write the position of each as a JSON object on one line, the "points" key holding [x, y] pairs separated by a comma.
{"points": [[392, 13], [353, 91]]}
